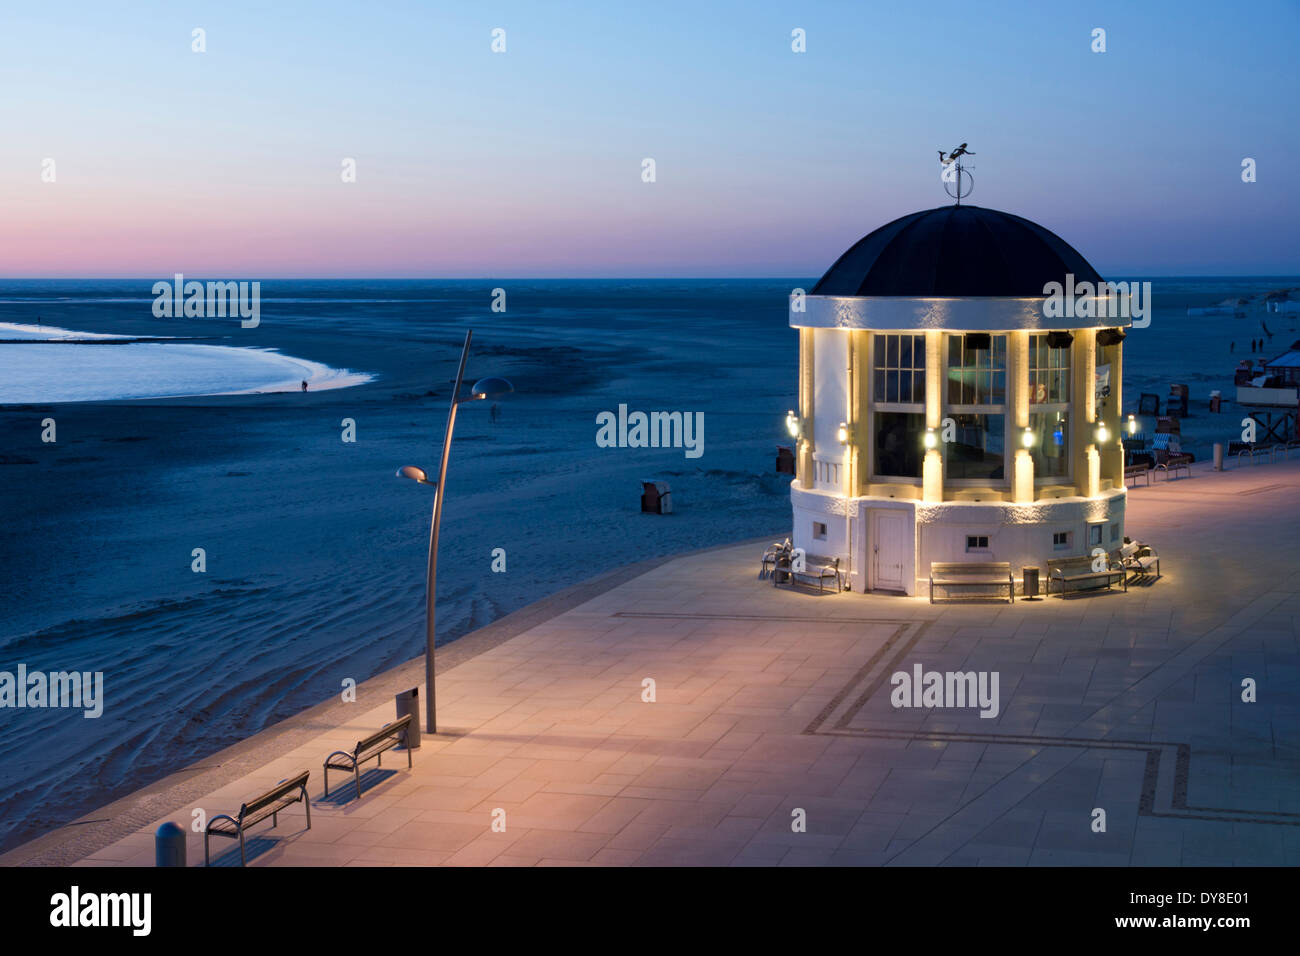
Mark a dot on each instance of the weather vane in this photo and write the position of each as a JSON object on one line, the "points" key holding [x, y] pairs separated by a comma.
{"points": [[953, 170]]}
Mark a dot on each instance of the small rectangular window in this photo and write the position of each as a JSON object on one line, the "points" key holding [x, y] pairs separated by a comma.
{"points": [[1114, 531], [977, 542], [1094, 534], [1061, 540], [819, 530]]}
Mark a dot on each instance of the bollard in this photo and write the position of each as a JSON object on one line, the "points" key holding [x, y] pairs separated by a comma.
{"points": [[169, 845], [1218, 456]]}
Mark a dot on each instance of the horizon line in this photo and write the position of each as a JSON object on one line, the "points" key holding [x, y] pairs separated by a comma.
{"points": [[575, 278]]}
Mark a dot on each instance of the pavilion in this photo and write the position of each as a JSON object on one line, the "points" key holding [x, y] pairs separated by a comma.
{"points": [[945, 412]]}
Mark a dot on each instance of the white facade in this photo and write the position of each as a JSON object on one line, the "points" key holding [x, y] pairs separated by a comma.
{"points": [[1026, 463]]}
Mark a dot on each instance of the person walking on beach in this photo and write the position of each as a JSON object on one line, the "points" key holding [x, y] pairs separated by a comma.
{"points": [[1232, 348], [495, 412], [304, 385]]}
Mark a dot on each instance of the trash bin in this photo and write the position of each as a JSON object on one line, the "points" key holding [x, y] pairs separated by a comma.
{"points": [[1216, 399], [408, 702], [1029, 575], [169, 845], [784, 460]]}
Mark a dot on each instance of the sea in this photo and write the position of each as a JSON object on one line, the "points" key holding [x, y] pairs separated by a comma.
{"points": [[329, 575]]}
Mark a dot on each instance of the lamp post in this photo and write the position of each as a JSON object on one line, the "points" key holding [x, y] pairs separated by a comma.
{"points": [[484, 388]]}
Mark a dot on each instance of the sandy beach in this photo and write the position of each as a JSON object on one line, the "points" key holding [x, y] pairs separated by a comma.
{"points": [[315, 552]]}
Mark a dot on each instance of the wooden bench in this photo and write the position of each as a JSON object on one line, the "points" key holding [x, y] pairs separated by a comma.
{"points": [[269, 804], [816, 568], [990, 574], [1079, 570], [1170, 463], [1140, 558], [1138, 471], [370, 748]]}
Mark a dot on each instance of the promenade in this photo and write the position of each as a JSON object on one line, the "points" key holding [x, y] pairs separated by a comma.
{"points": [[773, 705]]}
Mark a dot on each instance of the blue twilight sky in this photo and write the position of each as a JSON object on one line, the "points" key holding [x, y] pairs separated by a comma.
{"points": [[528, 162]]}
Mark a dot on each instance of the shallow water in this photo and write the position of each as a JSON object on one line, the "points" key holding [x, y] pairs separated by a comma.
{"points": [[57, 367]]}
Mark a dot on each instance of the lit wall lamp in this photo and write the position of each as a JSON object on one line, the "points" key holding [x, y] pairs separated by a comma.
{"points": [[1132, 425], [1027, 437], [1102, 433], [843, 433], [931, 439], [792, 423]]}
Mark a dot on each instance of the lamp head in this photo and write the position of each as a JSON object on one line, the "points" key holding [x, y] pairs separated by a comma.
{"points": [[1027, 437], [491, 388], [931, 439], [843, 433], [1132, 425], [1102, 433], [415, 474]]}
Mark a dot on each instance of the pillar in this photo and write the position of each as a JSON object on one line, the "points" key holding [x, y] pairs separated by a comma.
{"points": [[1083, 364], [1022, 474], [932, 466], [804, 451]]}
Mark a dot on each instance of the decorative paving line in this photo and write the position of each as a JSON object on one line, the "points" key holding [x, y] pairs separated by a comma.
{"points": [[906, 635], [761, 617], [1154, 750]]}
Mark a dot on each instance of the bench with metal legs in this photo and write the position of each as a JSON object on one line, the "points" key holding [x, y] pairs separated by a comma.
{"points": [[284, 794], [370, 748]]}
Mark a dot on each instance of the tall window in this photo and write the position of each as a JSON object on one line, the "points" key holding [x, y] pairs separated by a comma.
{"points": [[977, 395], [899, 362], [1049, 403], [1049, 373], [898, 406]]}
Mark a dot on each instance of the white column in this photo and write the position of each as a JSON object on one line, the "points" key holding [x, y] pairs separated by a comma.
{"points": [[932, 466]]}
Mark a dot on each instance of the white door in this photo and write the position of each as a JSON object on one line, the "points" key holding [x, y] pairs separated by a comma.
{"points": [[887, 547]]}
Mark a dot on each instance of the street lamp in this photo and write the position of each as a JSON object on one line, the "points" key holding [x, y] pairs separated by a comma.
{"points": [[484, 388]]}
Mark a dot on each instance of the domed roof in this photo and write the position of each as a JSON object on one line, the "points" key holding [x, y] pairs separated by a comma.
{"points": [[955, 251]]}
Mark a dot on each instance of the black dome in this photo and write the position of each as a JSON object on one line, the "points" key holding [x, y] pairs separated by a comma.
{"points": [[955, 251]]}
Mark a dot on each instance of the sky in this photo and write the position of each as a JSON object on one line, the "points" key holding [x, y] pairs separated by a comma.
{"points": [[529, 162]]}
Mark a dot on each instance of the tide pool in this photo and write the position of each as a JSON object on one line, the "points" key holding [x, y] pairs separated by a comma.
{"points": [[46, 367]]}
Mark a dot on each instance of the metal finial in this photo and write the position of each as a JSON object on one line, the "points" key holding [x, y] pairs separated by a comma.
{"points": [[953, 161]]}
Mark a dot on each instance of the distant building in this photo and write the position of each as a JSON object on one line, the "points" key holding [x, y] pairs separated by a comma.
{"points": [[972, 422]]}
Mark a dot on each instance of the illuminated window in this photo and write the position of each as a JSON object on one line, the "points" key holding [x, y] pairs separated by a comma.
{"points": [[1049, 420], [899, 365], [1049, 373], [977, 394], [977, 369], [898, 406]]}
